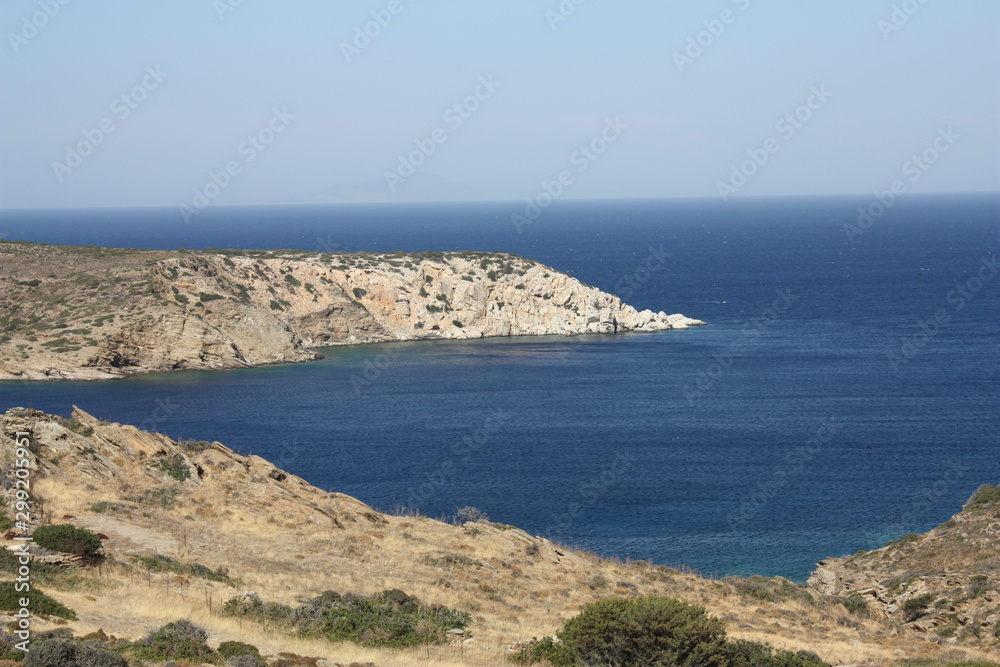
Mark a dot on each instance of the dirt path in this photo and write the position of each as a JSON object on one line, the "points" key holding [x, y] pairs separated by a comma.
{"points": [[131, 539]]}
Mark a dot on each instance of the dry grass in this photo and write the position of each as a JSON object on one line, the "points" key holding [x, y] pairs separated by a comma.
{"points": [[288, 541]]}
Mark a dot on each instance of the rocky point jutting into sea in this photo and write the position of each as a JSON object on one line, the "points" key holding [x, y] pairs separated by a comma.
{"points": [[90, 313]]}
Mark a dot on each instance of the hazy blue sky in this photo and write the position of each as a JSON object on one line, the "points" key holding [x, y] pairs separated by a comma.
{"points": [[892, 77]]}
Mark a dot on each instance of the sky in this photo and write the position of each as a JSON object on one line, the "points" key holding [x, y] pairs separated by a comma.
{"points": [[142, 103]]}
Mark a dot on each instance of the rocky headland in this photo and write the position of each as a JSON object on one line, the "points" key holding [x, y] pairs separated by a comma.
{"points": [[90, 313]]}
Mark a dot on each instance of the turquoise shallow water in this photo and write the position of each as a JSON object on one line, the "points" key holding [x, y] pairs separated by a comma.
{"points": [[813, 417]]}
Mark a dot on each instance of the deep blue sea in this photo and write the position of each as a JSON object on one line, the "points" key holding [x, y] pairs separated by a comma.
{"points": [[845, 392]]}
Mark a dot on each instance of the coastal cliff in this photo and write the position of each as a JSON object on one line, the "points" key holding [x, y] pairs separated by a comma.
{"points": [[98, 313]]}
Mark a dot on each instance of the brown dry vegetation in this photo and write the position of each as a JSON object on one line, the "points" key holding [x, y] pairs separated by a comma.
{"points": [[287, 541]]}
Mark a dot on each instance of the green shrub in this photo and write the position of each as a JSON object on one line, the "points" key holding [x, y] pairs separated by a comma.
{"points": [[180, 640], [243, 650], [358, 292], [161, 563], [643, 632], [457, 324], [292, 280], [653, 632], [984, 496], [108, 507], [159, 496], [980, 584], [205, 297], [546, 648], [768, 590], [857, 606], [176, 466], [743, 653], [68, 653], [915, 607], [6, 523], [391, 618], [68, 539], [194, 446], [38, 602]]}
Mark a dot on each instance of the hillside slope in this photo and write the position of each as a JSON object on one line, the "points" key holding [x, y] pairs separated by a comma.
{"points": [[96, 313], [203, 505]]}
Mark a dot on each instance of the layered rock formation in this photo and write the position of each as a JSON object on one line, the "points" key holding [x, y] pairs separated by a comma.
{"points": [[94, 313], [944, 583]]}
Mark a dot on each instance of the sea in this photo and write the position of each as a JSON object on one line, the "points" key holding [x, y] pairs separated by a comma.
{"points": [[845, 391]]}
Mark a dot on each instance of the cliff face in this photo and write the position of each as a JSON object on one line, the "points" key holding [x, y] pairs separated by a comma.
{"points": [[93, 313], [944, 583]]}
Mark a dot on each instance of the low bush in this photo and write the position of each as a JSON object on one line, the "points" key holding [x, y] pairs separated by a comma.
{"points": [[914, 608], [69, 653], [743, 653], [467, 513], [984, 496], [653, 631], [241, 654], [765, 589], [176, 466], [38, 602], [68, 539], [857, 606], [161, 563], [389, 619], [180, 640]]}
